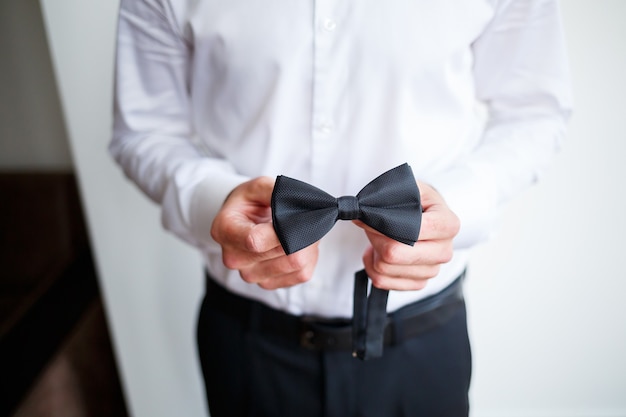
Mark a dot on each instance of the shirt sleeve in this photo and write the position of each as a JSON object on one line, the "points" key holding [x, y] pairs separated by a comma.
{"points": [[521, 76], [153, 139]]}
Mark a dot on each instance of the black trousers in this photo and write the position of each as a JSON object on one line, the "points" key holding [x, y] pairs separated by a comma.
{"points": [[251, 374]]}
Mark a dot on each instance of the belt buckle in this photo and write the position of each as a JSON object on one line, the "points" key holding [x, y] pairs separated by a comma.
{"points": [[321, 334]]}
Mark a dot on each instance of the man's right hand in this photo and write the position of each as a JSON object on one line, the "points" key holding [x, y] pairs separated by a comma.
{"points": [[243, 227]]}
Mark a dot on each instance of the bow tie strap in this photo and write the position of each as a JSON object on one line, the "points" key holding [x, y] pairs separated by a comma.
{"points": [[368, 319], [302, 214]]}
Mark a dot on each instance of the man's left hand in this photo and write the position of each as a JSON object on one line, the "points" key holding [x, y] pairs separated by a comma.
{"points": [[396, 266]]}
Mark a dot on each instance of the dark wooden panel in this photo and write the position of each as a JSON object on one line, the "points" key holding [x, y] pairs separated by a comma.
{"points": [[47, 275]]}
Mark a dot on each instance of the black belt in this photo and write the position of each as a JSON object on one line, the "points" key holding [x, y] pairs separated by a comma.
{"points": [[335, 334]]}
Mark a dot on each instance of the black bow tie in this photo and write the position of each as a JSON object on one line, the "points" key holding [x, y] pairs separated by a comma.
{"points": [[302, 214]]}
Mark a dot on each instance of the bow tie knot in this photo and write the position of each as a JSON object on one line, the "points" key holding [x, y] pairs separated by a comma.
{"points": [[348, 208]]}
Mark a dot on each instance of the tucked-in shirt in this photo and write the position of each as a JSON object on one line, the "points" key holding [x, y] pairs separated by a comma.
{"points": [[473, 94]]}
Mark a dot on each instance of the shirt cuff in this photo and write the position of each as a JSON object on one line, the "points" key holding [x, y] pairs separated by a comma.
{"points": [[472, 196], [206, 201]]}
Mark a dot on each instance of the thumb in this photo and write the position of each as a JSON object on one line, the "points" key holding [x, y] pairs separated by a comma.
{"points": [[258, 190]]}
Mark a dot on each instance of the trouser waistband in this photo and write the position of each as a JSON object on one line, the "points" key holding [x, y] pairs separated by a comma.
{"points": [[336, 334]]}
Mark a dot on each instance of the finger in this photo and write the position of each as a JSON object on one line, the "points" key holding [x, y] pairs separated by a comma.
{"points": [[283, 265], [422, 252], [235, 258], [415, 278], [262, 238], [399, 284], [429, 196], [439, 223], [248, 204], [380, 269], [287, 280], [235, 229], [365, 227], [250, 245], [400, 262], [282, 280], [260, 190]]}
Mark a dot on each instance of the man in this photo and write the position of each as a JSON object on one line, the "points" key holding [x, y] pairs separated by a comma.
{"points": [[215, 99]]}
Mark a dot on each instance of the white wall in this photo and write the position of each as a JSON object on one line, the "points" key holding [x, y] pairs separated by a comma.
{"points": [[547, 320], [151, 283], [548, 317]]}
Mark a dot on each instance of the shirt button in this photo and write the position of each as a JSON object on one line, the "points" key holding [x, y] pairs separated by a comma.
{"points": [[329, 25], [325, 128]]}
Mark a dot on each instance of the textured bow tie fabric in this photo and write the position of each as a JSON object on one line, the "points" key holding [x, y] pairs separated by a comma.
{"points": [[302, 214]]}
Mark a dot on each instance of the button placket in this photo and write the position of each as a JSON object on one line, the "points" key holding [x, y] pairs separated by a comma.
{"points": [[329, 24], [323, 123], [325, 127]]}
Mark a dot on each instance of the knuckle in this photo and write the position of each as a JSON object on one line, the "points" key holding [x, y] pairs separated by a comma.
{"points": [[419, 285], [268, 285], [453, 225], [440, 225], [252, 242], [230, 261], [381, 267], [457, 223], [432, 271], [215, 229], [445, 227], [296, 261], [446, 254], [301, 277], [390, 254], [214, 233], [379, 281], [247, 276], [262, 183]]}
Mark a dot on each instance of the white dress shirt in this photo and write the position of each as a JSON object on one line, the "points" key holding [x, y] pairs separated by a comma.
{"points": [[473, 94]]}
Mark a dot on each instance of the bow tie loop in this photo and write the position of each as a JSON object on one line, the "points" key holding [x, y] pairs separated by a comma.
{"points": [[348, 208]]}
